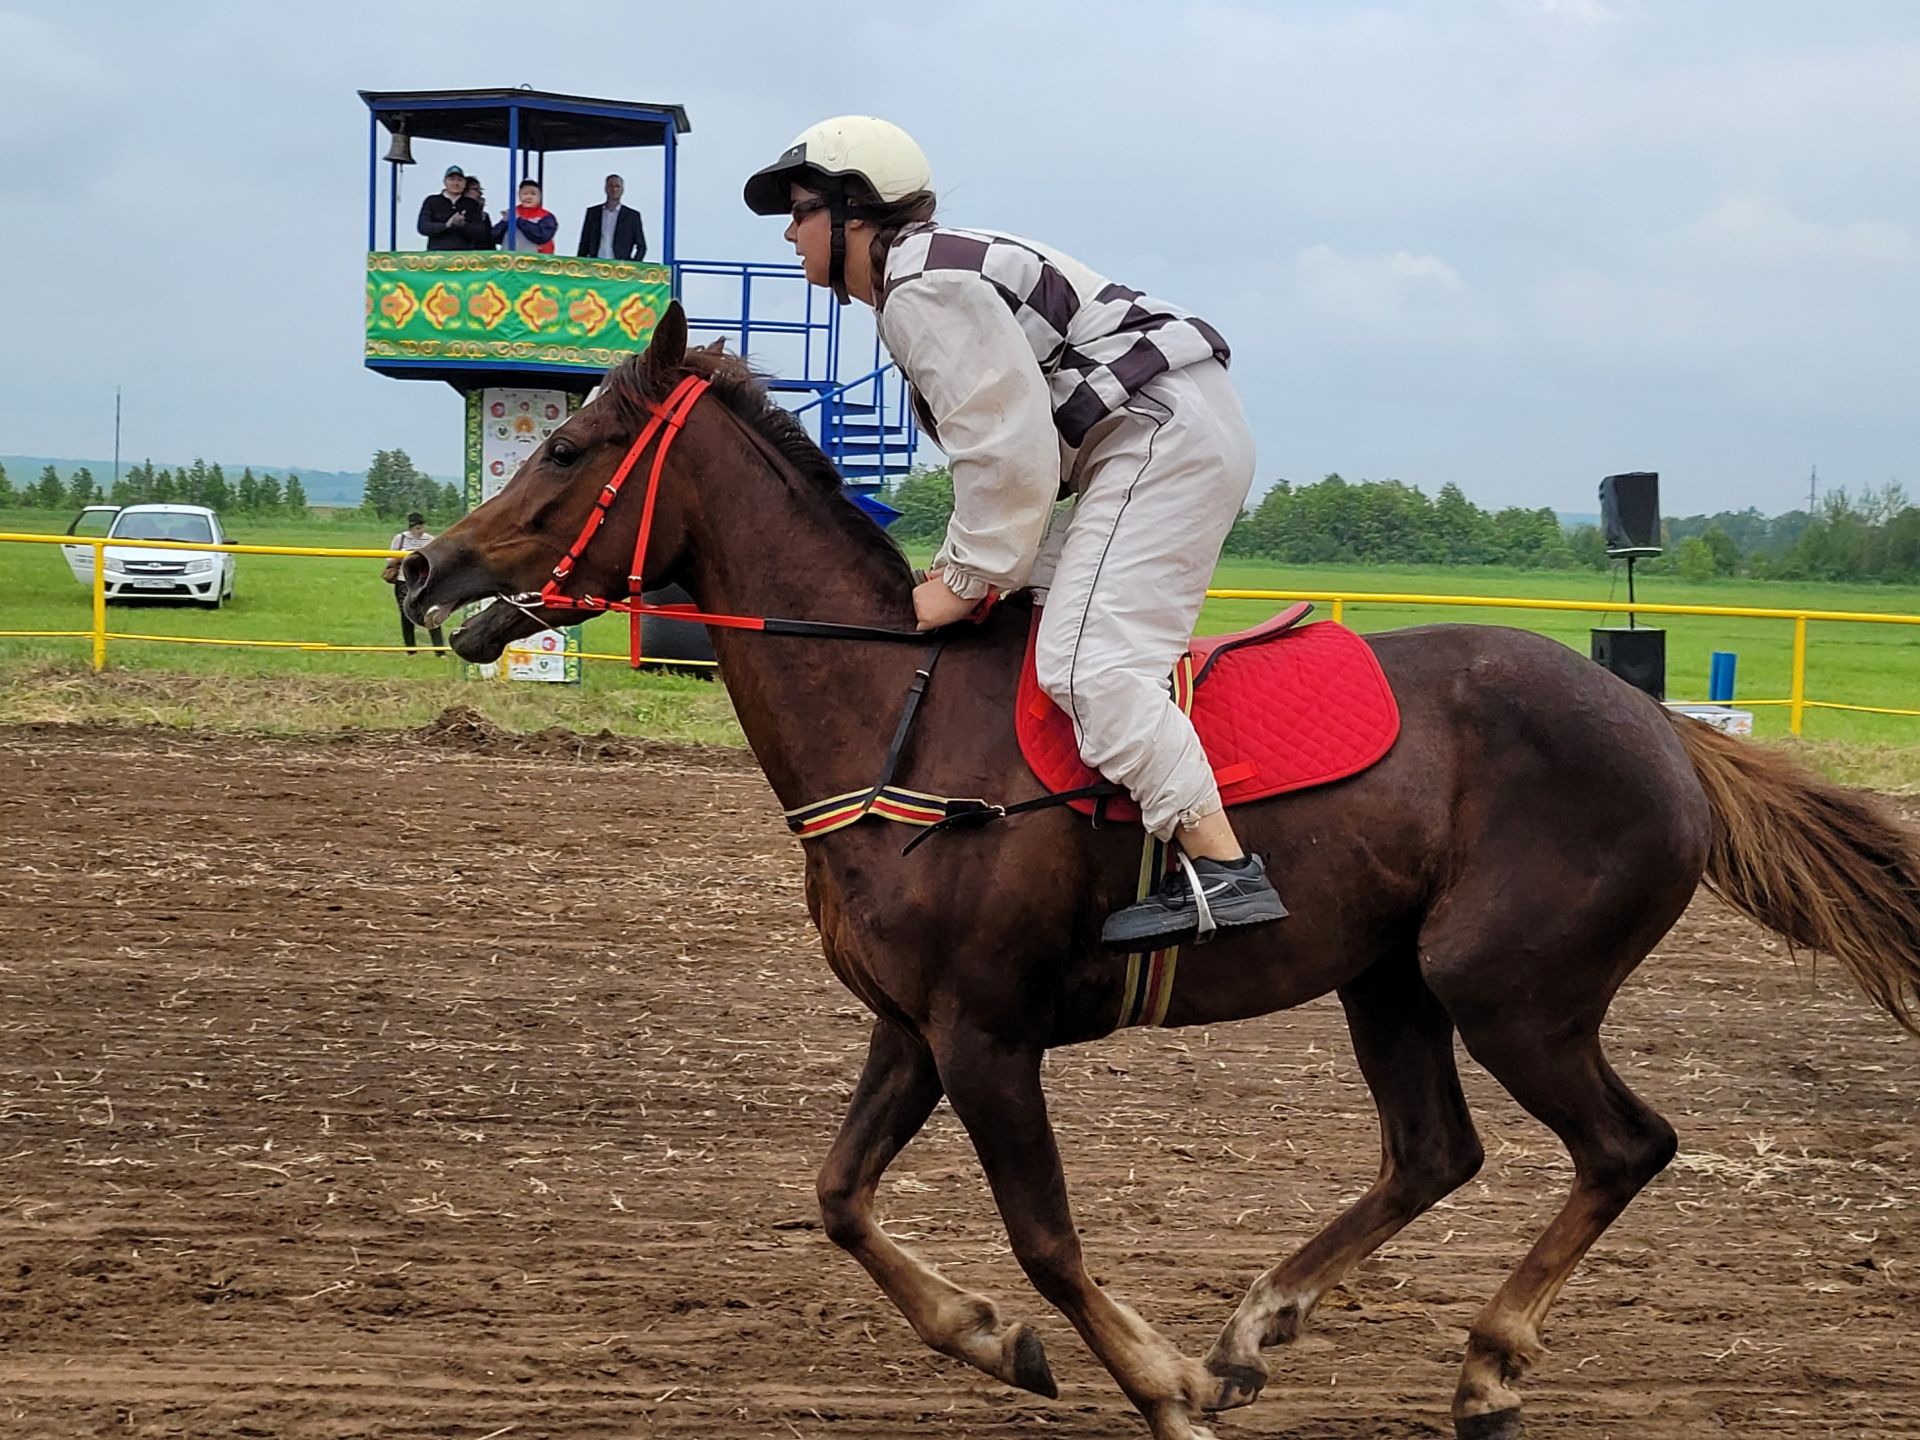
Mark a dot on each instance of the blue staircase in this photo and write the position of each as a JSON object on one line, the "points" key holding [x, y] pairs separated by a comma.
{"points": [[797, 335]]}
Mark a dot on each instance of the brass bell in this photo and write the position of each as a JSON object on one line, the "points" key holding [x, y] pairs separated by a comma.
{"points": [[400, 152]]}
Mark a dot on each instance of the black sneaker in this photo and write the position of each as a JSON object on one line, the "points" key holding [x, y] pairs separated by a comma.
{"points": [[1233, 894]]}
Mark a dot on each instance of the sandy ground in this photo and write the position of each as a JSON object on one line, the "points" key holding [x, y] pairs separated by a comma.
{"points": [[446, 1085]]}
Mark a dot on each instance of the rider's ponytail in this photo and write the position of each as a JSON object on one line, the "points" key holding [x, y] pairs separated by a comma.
{"points": [[889, 223]]}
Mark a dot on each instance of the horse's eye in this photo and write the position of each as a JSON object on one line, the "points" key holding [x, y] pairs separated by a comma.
{"points": [[562, 452]]}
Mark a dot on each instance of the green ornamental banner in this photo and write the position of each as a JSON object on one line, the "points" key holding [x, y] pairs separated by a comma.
{"points": [[499, 305]]}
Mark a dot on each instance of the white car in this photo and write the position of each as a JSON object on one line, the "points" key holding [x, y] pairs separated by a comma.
{"points": [[134, 571]]}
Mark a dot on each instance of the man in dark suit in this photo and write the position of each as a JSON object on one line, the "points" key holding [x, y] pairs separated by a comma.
{"points": [[613, 231]]}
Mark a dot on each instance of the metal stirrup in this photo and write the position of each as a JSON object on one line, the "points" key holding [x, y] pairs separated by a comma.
{"points": [[1203, 912]]}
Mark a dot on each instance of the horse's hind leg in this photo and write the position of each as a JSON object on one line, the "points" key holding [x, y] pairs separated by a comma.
{"points": [[898, 1088], [1539, 1037], [1404, 1042]]}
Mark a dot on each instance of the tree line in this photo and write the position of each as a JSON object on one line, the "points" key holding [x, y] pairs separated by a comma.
{"points": [[195, 484], [395, 487], [1386, 522], [1874, 536]]}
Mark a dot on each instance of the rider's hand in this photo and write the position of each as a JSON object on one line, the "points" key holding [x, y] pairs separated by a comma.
{"points": [[935, 604]]}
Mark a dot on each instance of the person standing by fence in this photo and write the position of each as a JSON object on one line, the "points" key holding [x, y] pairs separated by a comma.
{"points": [[414, 537]]}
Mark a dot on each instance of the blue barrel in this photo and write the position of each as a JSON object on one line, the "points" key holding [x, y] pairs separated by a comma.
{"points": [[1720, 677]]}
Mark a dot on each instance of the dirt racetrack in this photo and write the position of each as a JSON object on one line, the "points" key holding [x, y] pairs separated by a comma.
{"points": [[448, 1085]]}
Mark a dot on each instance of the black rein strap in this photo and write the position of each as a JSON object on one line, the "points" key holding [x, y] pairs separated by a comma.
{"points": [[915, 693]]}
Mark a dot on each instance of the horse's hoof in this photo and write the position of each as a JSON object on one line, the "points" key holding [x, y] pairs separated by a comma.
{"points": [[1030, 1368], [1496, 1425], [1239, 1385]]}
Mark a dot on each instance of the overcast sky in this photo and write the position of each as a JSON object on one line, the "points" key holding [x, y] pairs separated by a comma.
{"points": [[1515, 244]]}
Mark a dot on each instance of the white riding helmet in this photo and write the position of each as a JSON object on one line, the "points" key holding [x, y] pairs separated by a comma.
{"points": [[881, 157]]}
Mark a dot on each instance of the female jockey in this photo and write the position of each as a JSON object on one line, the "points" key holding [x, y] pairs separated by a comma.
{"points": [[1040, 378]]}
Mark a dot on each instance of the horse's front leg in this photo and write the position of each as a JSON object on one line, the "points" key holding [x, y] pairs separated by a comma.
{"points": [[995, 1090], [897, 1092]]}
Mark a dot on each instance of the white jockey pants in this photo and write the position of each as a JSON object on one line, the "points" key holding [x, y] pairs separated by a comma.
{"points": [[1123, 573]]}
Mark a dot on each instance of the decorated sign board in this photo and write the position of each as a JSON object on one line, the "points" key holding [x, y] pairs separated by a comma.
{"points": [[505, 425], [502, 308]]}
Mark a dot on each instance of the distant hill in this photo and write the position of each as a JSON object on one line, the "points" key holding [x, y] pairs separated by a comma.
{"points": [[323, 487], [1570, 521]]}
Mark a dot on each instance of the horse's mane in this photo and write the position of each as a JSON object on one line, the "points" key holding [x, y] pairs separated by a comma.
{"points": [[634, 388]]}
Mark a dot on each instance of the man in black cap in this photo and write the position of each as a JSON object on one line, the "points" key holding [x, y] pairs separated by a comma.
{"points": [[441, 220]]}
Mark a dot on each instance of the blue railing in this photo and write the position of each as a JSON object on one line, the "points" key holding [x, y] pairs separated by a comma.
{"points": [[814, 320], [794, 330], [868, 425]]}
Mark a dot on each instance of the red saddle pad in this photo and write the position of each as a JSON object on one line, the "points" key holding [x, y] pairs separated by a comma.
{"points": [[1300, 707]]}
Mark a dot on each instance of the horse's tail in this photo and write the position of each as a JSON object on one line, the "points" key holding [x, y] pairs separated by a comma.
{"points": [[1825, 867]]}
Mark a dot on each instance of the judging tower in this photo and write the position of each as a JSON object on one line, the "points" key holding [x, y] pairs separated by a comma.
{"points": [[524, 336]]}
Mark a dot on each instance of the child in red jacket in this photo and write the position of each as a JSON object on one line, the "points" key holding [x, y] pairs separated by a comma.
{"points": [[535, 222]]}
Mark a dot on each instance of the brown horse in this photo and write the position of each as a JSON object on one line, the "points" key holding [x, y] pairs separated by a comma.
{"points": [[1535, 831]]}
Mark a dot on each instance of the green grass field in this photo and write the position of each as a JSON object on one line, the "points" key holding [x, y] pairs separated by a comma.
{"points": [[343, 602], [338, 602], [1854, 664]]}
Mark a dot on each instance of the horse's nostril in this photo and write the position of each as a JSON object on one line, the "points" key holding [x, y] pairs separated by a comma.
{"points": [[415, 569]]}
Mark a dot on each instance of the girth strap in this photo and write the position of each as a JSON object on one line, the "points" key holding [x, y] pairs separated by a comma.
{"points": [[893, 802], [961, 814], [881, 799], [887, 801], [928, 813]]}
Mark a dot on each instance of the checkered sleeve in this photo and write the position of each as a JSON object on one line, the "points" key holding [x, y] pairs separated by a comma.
{"points": [[964, 351]]}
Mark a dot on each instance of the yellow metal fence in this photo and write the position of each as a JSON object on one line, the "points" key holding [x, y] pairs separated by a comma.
{"points": [[100, 635], [1796, 702]]}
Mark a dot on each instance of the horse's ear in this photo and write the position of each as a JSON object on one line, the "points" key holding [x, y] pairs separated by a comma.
{"points": [[667, 351]]}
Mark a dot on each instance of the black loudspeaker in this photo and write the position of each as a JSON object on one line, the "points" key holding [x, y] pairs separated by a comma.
{"points": [[1637, 656], [669, 641], [1630, 512]]}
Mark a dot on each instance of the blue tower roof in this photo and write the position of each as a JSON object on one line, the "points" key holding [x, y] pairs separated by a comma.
{"points": [[546, 121]]}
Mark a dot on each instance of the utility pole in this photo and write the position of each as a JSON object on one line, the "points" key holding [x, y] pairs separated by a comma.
{"points": [[116, 441], [1813, 486]]}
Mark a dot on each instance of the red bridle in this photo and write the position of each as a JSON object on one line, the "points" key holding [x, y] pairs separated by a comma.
{"points": [[669, 418]]}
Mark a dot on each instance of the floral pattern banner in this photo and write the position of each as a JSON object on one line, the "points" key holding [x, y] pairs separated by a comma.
{"points": [[505, 425], [490, 306]]}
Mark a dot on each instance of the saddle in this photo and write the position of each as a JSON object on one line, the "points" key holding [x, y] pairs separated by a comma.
{"points": [[1280, 707]]}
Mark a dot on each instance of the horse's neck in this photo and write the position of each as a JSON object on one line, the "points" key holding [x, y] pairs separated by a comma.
{"points": [[816, 712]]}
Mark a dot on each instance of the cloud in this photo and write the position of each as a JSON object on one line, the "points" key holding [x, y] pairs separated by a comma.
{"points": [[1392, 293], [1616, 321], [1762, 230], [1578, 12], [1445, 239]]}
